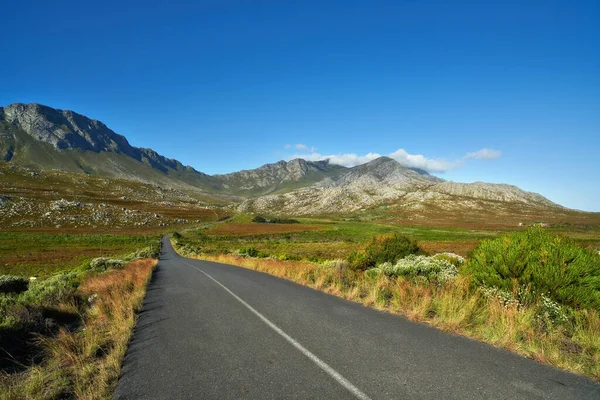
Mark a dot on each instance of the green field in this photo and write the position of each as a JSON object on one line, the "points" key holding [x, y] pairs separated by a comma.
{"points": [[325, 239], [322, 239], [42, 254]]}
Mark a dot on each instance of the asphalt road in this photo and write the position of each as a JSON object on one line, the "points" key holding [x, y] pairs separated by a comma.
{"points": [[213, 331]]}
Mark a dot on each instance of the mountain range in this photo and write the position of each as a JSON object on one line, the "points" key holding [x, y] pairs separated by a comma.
{"points": [[34, 135]]}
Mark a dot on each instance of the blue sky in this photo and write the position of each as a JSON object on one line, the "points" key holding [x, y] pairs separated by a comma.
{"points": [[229, 85]]}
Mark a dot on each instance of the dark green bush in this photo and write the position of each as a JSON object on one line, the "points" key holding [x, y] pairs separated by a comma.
{"points": [[261, 220], [176, 235], [13, 284], [382, 249], [283, 221], [543, 263]]}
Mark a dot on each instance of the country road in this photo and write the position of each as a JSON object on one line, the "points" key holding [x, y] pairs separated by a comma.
{"points": [[213, 331]]}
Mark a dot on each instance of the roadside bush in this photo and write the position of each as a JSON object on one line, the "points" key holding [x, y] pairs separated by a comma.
{"points": [[101, 264], [543, 263], [52, 290], [147, 252], [13, 284], [248, 251], [412, 266], [358, 260], [259, 220], [452, 258], [336, 265], [549, 314], [288, 257], [383, 249], [176, 235]]}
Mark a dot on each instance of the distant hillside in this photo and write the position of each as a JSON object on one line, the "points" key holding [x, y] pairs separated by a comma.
{"points": [[385, 182], [33, 135], [39, 136], [278, 177]]}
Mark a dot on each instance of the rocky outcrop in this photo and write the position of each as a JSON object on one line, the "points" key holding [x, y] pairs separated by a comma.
{"points": [[276, 175], [65, 129], [382, 182]]}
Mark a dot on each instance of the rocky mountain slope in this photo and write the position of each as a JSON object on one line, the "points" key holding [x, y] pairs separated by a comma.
{"points": [[385, 182], [31, 198], [33, 135], [278, 177]]}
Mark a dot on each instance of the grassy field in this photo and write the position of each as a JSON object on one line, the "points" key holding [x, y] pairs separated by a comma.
{"points": [[323, 239], [42, 254]]}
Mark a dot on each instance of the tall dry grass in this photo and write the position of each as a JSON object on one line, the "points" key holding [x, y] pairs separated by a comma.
{"points": [[85, 363], [453, 307]]}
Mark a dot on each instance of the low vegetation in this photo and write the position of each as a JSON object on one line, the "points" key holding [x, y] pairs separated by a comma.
{"points": [[65, 336], [30, 254], [384, 249], [432, 269], [524, 310]]}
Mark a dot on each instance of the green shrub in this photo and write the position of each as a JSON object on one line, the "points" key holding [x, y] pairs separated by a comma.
{"points": [[288, 257], [147, 252], [433, 269], [543, 263], [358, 260], [52, 290], [452, 258], [283, 221], [102, 264], [262, 220], [248, 251], [373, 273], [383, 249], [13, 284], [176, 235], [550, 314]]}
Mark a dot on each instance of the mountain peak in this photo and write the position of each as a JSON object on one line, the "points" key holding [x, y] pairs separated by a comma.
{"points": [[64, 129]]}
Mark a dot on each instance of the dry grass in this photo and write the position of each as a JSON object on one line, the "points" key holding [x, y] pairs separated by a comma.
{"points": [[454, 307], [462, 248], [85, 363]]}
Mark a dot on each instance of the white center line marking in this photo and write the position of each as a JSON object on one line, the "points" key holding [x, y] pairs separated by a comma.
{"points": [[320, 363]]}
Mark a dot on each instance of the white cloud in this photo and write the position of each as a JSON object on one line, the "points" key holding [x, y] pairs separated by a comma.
{"points": [[402, 156], [301, 147], [484, 154], [347, 160], [421, 162]]}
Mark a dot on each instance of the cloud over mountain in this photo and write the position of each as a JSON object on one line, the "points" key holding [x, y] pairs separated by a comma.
{"points": [[402, 156]]}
